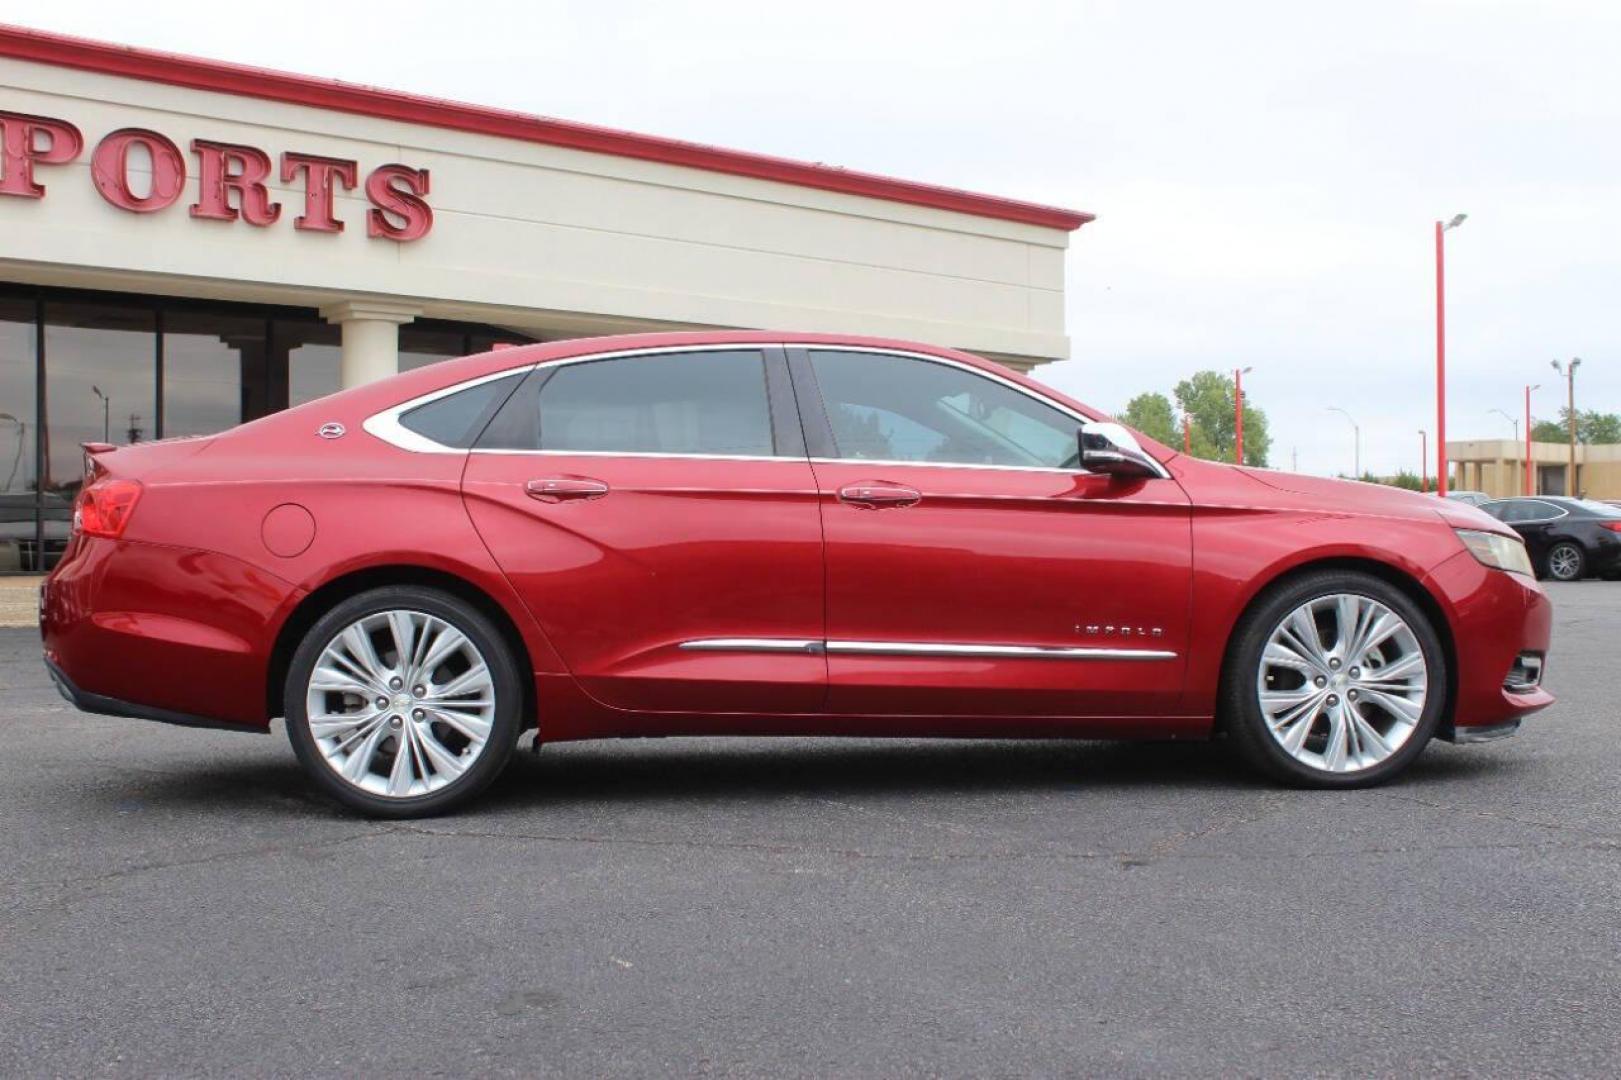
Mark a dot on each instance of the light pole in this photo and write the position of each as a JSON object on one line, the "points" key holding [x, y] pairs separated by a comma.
{"points": [[1441, 352], [1238, 413], [1423, 462], [1570, 413], [1356, 430], [105, 405], [1530, 487], [22, 435], [1510, 419]]}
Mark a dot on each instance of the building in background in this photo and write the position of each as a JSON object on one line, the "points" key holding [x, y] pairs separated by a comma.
{"points": [[1497, 467], [187, 244]]}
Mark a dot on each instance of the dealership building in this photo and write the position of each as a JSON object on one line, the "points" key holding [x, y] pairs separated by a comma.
{"points": [[186, 244]]}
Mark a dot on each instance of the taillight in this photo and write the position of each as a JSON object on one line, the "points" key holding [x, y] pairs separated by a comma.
{"points": [[1613, 526], [104, 507]]}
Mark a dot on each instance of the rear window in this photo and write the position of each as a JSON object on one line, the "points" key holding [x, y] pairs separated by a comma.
{"points": [[455, 420]]}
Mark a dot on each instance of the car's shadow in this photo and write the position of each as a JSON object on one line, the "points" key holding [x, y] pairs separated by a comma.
{"points": [[690, 771]]}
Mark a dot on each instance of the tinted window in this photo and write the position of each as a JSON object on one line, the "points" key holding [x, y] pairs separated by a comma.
{"points": [[1598, 509], [1498, 510], [456, 419], [887, 408], [674, 403]]}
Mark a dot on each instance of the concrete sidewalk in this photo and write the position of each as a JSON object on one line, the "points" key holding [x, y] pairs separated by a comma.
{"points": [[19, 600]]}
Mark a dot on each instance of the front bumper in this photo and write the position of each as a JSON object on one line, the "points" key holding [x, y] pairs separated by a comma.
{"points": [[1497, 620]]}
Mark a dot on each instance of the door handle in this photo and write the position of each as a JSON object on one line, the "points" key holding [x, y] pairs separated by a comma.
{"points": [[561, 488], [876, 496]]}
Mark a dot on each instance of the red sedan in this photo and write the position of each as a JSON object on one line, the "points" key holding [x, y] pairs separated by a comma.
{"points": [[753, 534]]}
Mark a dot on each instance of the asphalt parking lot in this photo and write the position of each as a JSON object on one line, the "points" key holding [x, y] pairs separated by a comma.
{"points": [[177, 902]]}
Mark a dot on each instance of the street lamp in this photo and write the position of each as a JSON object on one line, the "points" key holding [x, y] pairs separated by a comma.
{"points": [[1356, 430], [105, 405], [1510, 419], [1570, 409], [1423, 462], [22, 435], [1530, 487], [1441, 352], [1238, 413]]}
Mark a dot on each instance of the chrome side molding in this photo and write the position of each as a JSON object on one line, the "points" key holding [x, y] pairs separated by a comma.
{"points": [[924, 649]]}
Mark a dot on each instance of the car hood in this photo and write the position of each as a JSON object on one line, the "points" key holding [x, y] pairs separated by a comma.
{"points": [[1358, 497]]}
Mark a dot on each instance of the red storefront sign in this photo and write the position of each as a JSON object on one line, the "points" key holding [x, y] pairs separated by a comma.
{"points": [[233, 179]]}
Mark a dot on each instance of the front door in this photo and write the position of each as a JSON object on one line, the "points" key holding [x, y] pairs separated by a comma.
{"points": [[658, 516], [972, 567]]}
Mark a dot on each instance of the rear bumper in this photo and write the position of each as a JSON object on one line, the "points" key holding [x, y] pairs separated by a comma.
{"points": [[106, 706], [162, 633]]}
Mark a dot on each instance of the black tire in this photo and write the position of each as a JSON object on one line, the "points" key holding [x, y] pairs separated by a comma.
{"points": [[505, 726], [1239, 702], [1577, 563]]}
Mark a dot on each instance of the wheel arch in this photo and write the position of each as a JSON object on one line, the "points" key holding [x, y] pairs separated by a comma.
{"points": [[331, 593], [1395, 576]]}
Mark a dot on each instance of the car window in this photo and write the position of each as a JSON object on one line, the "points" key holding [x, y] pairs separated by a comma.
{"points": [[1502, 511], [1599, 509], [889, 408], [456, 419], [1536, 510], [669, 403]]}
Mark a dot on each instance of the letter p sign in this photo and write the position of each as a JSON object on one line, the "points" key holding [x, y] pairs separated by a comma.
{"points": [[26, 141]]}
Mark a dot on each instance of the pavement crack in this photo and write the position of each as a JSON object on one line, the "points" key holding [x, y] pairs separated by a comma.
{"points": [[202, 860]]}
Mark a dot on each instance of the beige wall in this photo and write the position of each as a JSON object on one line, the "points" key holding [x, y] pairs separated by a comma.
{"points": [[1497, 467], [540, 238]]}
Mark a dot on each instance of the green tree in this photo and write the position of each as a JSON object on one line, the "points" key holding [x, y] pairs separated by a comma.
{"points": [[1549, 431], [1207, 400], [1591, 427], [1152, 415]]}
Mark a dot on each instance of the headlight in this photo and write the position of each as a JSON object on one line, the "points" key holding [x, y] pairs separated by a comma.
{"points": [[1495, 549]]}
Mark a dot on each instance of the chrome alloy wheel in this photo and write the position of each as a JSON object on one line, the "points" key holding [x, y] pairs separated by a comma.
{"points": [[1342, 683], [400, 704], [1564, 562]]}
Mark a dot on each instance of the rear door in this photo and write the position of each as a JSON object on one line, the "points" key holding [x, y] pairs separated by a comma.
{"points": [[973, 568], [657, 513]]}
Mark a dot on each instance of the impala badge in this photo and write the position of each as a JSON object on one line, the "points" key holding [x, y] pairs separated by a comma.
{"points": [[1111, 630], [330, 430]]}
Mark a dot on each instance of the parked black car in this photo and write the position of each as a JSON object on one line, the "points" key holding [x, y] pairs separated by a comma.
{"points": [[1568, 538]]}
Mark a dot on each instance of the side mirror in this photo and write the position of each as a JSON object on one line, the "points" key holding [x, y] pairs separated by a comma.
{"points": [[1112, 450]]}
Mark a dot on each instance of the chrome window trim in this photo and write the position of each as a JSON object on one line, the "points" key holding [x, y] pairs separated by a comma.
{"points": [[386, 424], [924, 649]]}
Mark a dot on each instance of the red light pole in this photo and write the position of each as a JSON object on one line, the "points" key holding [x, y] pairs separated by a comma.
{"points": [[1441, 353], [1423, 462], [1238, 413], [1530, 488]]}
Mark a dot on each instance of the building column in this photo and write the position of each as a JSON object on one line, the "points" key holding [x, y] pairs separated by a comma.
{"points": [[371, 338]]}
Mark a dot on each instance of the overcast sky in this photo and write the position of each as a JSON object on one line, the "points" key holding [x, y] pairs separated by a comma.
{"points": [[1266, 175]]}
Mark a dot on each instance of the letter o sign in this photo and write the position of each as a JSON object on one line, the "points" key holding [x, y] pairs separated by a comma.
{"points": [[109, 168]]}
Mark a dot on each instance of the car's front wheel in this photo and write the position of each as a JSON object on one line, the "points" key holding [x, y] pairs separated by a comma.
{"points": [[1334, 679], [403, 701]]}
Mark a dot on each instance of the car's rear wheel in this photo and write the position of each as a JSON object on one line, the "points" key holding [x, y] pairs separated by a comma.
{"points": [[1334, 679], [1566, 561], [403, 702]]}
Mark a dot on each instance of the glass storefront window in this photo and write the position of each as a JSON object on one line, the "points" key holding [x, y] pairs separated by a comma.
{"points": [[420, 346], [214, 371], [312, 352], [18, 365], [100, 385]]}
